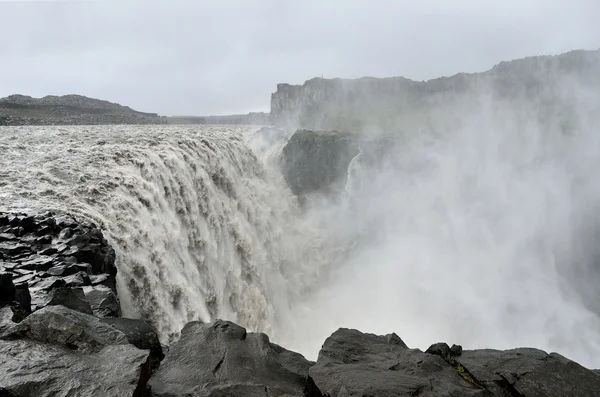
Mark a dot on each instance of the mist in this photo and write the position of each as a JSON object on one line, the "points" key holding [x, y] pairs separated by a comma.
{"points": [[481, 230]]}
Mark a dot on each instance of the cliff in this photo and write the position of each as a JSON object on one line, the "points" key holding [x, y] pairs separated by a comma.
{"points": [[386, 103], [69, 110]]}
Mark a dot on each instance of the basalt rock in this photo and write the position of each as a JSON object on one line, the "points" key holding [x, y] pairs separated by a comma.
{"points": [[47, 252], [222, 359], [60, 352]]}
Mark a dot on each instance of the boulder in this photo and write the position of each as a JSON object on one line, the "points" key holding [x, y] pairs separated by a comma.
{"points": [[528, 372], [352, 363], [73, 298], [222, 359], [103, 301], [60, 352], [70, 328], [140, 334]]}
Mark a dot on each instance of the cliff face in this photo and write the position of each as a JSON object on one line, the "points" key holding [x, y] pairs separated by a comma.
{"points": [[385, 103]]}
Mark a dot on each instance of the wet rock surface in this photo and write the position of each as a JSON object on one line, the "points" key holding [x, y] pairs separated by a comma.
{"points": [[48, 259], [61, 352], [222, 359], [316, 163]]}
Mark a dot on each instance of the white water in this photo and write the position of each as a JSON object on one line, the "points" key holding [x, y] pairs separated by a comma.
{"points": [[483, 233], [200, 228]]}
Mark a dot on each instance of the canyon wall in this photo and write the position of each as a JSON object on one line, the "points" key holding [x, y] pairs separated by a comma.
{"points": [[397, 102]]}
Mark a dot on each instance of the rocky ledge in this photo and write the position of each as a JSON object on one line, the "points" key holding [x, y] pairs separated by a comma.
{"points": [[59, 351], [49, 259], [58, 339]]}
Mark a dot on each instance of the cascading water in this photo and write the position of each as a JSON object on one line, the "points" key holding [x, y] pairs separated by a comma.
{"points": [[201, 229], [482, 230]]}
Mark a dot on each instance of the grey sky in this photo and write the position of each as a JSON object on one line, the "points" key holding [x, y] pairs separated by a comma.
{"points": [[219, 57]]}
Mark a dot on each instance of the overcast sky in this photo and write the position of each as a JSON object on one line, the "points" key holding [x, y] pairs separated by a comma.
{"points": [[217, 57]]}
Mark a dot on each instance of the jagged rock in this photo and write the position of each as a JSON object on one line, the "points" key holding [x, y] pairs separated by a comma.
{"points": [[41, 262], [529, 372], [140, 334], [6, 323], [12, 248], [49, 283], [78, 279], [60, 352], [317, 162], [24, 278], [57, 270], [103, 301], [73, 298], [232, 363], [7, 289], [351, 363], [23, 298], [7, 237], [47, 251], [456, 350]]}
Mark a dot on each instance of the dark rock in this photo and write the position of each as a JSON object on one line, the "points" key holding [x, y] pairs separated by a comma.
{"points": [[41, 263], [49, 283], [44, 239], [23, 298], [49, 251], [99, 278], [74, 268], [7, 236], [72, 298], [57, 270], [11, 248], [65, 234], [233, 363], [61, 248], [7, 289], [24, 278], [59, 352], [456, 350], [351, 363], [529, 372], [317, 162], [80, 331], [140, 334], [78, 280], [6, 324], [103, 301], [440, 349]]}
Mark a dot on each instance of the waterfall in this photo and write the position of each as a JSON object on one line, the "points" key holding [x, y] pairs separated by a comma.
{"points": [[201, 229]]}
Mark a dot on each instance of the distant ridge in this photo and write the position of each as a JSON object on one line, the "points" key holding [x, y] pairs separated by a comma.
{"points": [[69, 109]]}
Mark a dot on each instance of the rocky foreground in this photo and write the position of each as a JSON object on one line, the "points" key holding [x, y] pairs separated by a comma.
{"points": [[61, 334]]}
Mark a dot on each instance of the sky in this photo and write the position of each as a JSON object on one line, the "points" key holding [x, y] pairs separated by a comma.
{"points": [[221, 57]]}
